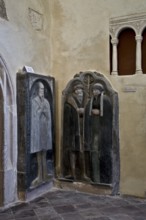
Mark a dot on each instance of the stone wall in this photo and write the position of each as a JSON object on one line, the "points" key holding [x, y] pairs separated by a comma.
{"points": [[80, 42]]}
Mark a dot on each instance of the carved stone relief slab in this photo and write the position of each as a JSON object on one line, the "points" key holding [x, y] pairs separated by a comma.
{"points": [[35, 97], [36, 19], [90, 145]]}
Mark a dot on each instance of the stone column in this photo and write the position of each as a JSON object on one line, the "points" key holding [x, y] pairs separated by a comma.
{"points": [[114, 42], [138, 54]]}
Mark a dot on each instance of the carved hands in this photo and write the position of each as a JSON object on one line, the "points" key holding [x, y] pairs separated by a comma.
{"points": [[95, 111], [80, 111]]}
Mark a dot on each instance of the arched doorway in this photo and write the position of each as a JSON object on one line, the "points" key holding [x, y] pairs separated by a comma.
{"points": [[144, 51], [127, 52]]}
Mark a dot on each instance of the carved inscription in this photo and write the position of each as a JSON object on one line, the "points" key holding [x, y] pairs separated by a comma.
{"points": [[36, 19]]}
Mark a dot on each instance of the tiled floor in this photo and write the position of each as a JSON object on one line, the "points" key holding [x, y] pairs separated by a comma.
{"points": [[73, 205]]}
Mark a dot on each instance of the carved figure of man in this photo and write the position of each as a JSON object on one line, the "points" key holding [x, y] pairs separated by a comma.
{"points": [[73, 131], [41, 135], [99, 122]]}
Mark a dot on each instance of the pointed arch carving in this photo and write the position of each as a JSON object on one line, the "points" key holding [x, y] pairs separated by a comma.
{"points": [[8, 136]]}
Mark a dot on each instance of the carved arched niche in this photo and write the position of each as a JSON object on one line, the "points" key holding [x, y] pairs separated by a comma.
{"points": [[90, 139], [1, 147], [8, 137]]}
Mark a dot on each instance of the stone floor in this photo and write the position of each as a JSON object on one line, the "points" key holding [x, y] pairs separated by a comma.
{"points": [[73, 205]]}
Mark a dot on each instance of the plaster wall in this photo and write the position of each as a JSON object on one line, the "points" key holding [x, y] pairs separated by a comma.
{"points": [[80, 42], [20, 42], [24, 40]]}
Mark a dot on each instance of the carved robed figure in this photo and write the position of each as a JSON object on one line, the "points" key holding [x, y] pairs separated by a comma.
{"points": [[98, 134], [73, 140], [35, 109], [41, 135], [90, 140]]}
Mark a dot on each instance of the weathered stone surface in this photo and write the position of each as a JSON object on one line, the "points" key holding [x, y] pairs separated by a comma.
{"points": [[90, 146], [76, 205], [35, 163]]}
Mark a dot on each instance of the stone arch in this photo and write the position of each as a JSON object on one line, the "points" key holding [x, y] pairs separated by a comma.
{"points": [[137, 23], [142, 29], [8, 147], [126, 52], [122, 28]]}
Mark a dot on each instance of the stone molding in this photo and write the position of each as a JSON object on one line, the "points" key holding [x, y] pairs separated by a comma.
{"points": [[136, 22], [36, 19]]}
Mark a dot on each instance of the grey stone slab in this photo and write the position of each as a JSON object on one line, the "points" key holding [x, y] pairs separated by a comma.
{"points": [[38, 199], [66, 194], [121, 217], [24, 214], [79, 206], [65, 209], [139, 213], [72, 216], [133, 200], [99, 218], [40, 203], [35, 91], [99, 206], [54, 194], [6, 211], [119, 210], [141, 206], [28, 218], [79, 200], [22, 206], [46, 211], [6, 216], [83, 206], [90, 213], [118, 202], [61, 201], [48, 217], [140, 217], [98, 200], [131, 210]]}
